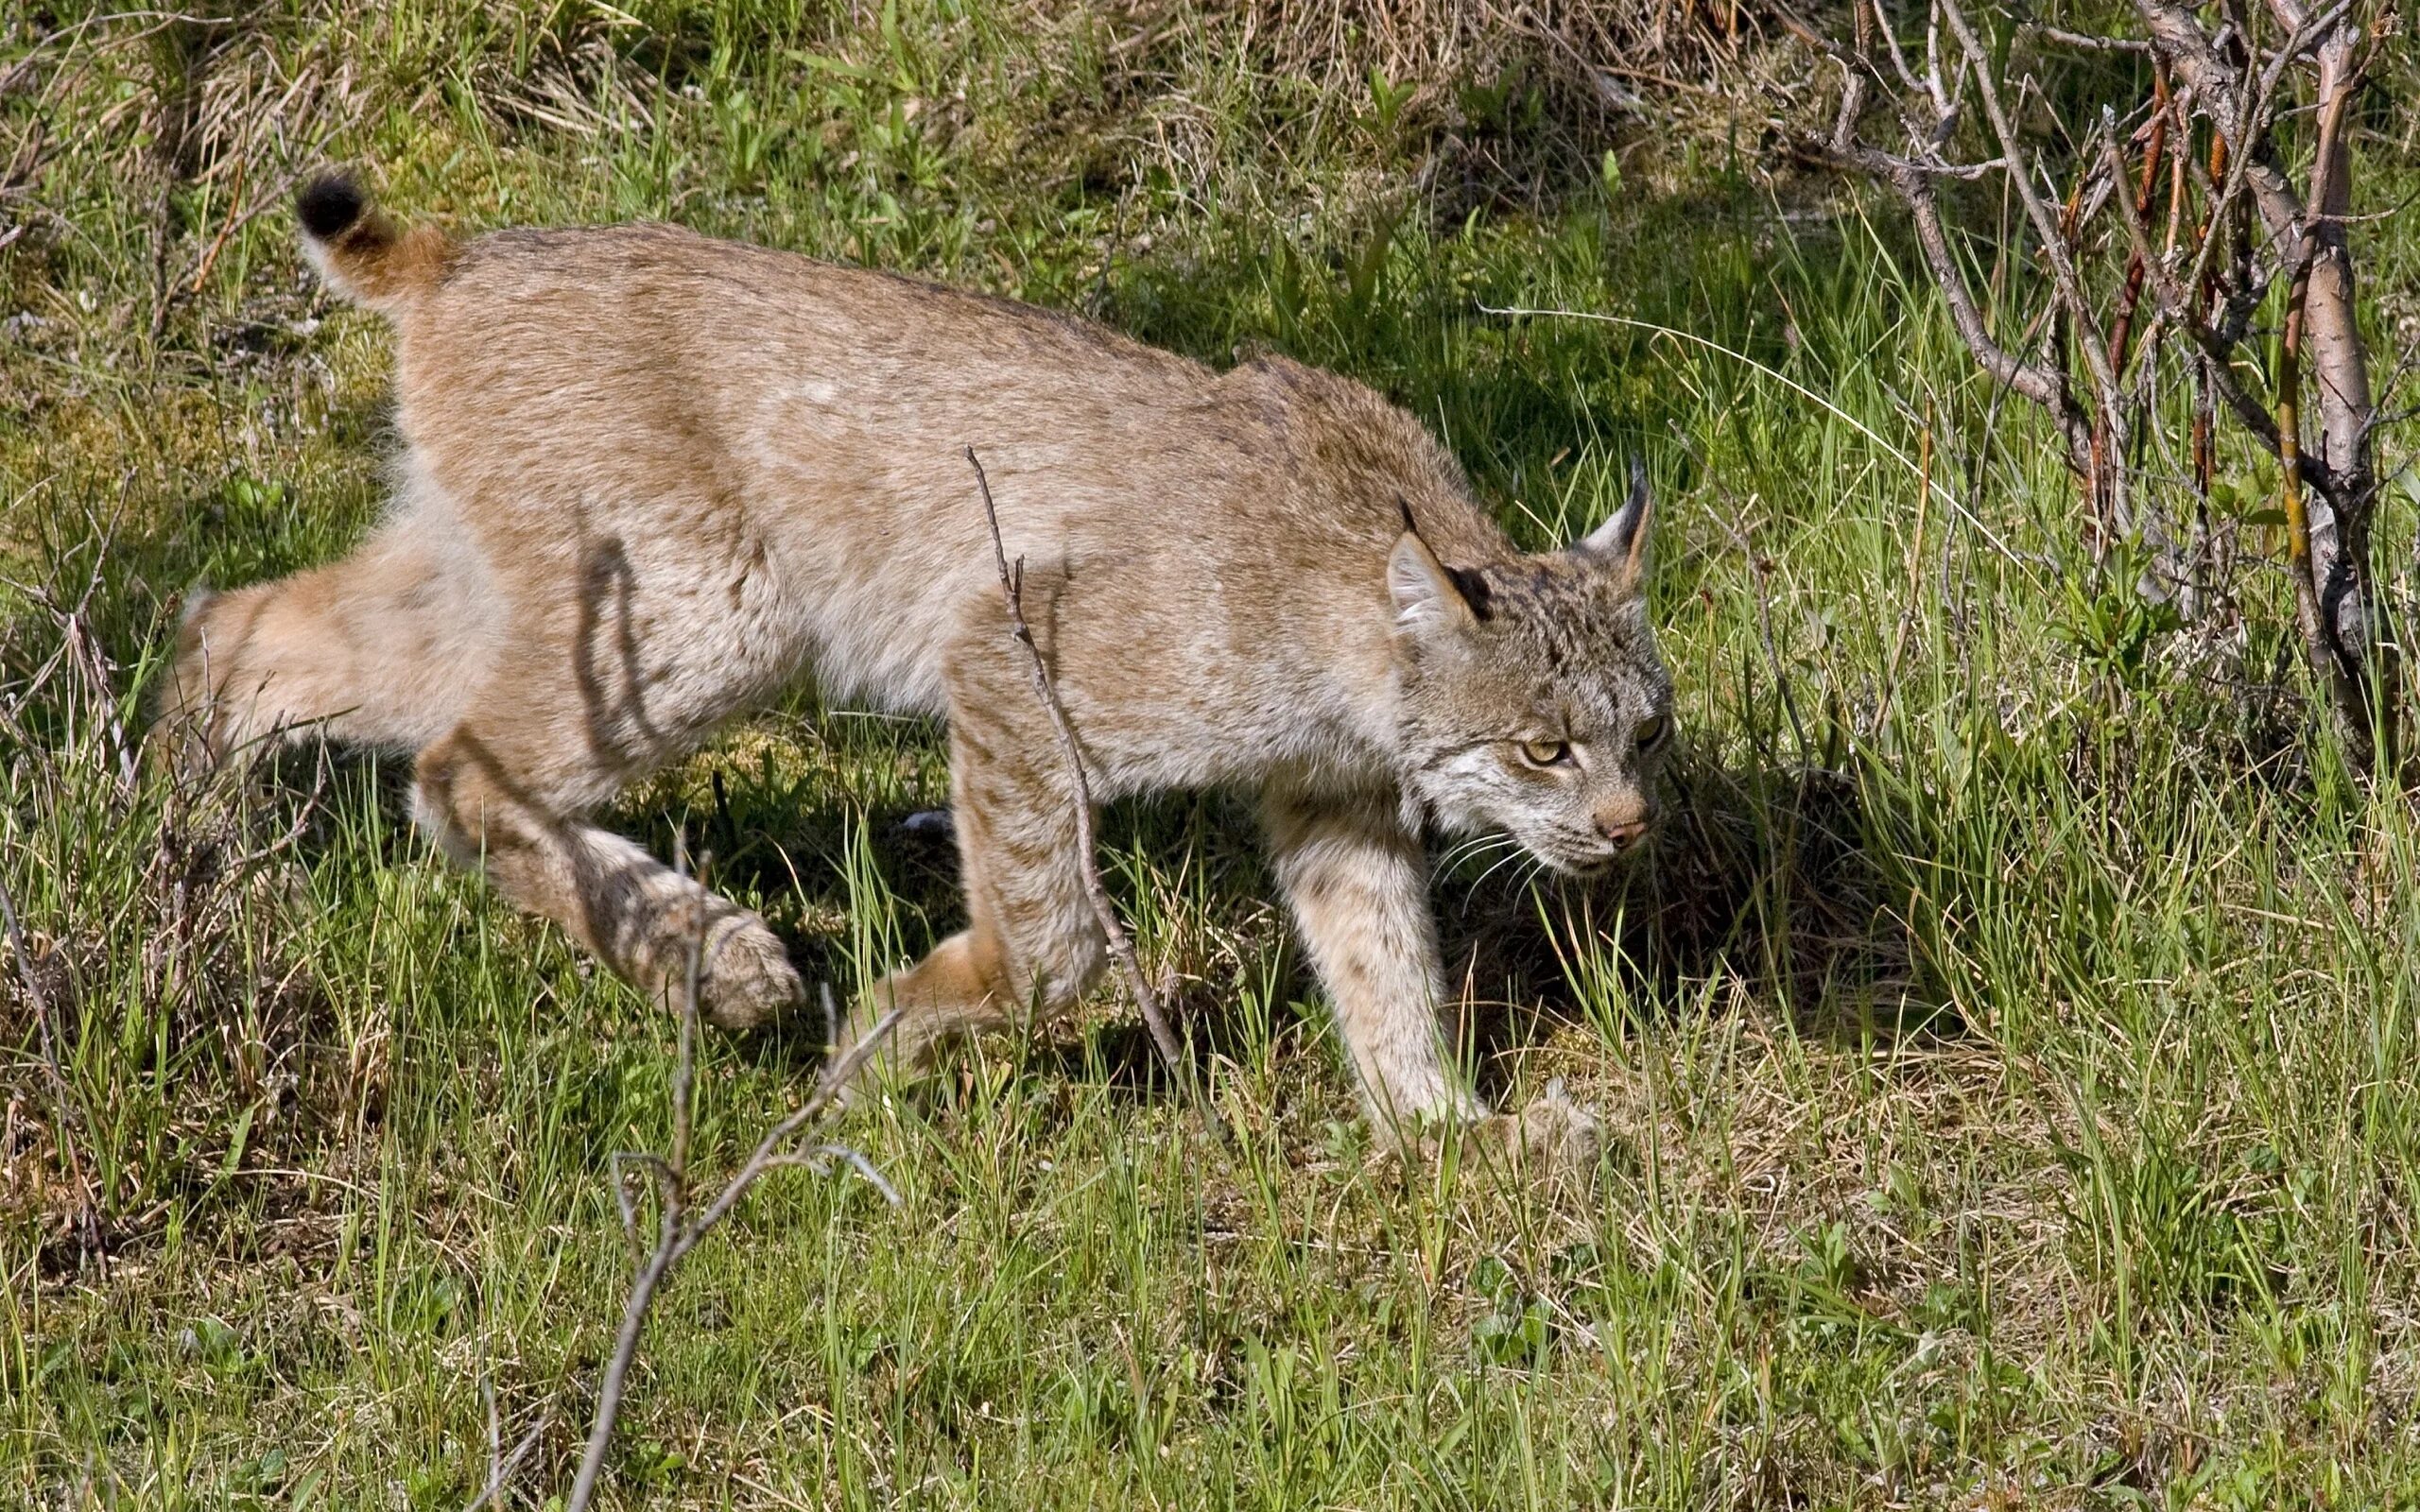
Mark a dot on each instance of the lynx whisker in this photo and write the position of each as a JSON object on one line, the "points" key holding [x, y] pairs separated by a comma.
{"points": [[1515, 858], [1479, 845]]}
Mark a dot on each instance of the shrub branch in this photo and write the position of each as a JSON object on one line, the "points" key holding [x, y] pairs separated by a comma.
{"points": [[2204, 294], [680, 1222]]}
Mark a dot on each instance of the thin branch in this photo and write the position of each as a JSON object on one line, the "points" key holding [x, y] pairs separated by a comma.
{"points": [[672, 1201], [2137, 266], [2235, 105], [1852, 154], [294, 831], [624, 1166], [2359, 657], [768, 1151], [1891, 40], [1944, 100], [2242, 115], [677, 1234], [2054, 251], [1122, 947], [502, 1468], [2298, 556], [2217, 352], [1912, 178], [2037, 381], [2080, 42]]}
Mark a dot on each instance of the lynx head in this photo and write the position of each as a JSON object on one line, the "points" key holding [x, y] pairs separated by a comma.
{"points": [[1533, 698]]}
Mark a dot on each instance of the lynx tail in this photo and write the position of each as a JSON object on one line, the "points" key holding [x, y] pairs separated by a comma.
{"points": [[362, 253]]}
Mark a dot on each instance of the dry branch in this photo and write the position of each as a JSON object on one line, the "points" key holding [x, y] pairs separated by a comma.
{"points": [[1122, 947], [2105, 475], [503, 1466], [677, 1231]]}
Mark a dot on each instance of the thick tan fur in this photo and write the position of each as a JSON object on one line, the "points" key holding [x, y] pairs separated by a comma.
{"points": [[650, 479]]}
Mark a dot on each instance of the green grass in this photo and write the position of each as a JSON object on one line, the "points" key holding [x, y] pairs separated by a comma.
{"points": [[2006, 1054]]}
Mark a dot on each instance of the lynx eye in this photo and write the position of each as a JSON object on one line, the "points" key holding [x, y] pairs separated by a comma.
{"points": [[1545, 752], [1648, 731]]}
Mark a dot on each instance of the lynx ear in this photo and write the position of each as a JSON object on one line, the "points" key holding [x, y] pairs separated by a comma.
{"points": [[1623, 539], [1427, 598]]}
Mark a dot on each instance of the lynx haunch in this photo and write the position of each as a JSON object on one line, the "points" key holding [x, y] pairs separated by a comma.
{"points": [[650, 479]]}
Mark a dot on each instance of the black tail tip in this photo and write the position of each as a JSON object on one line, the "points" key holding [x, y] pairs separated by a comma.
{"points": [[329, 206]]}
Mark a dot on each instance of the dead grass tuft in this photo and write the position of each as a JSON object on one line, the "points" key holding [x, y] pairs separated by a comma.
{"points": [[182, 1028]]}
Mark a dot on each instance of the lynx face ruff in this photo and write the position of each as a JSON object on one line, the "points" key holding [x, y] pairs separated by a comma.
{"points": [[650, 479]]}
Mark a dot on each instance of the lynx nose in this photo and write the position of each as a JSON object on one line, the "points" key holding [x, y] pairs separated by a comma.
{"points": [[1621, 832]]}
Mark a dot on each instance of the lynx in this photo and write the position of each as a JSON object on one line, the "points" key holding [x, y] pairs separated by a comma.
{"points": [[650, 479]]}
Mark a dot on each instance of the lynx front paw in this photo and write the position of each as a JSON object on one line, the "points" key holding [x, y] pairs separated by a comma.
{"points": [[745, 979], [1553, 1136]]}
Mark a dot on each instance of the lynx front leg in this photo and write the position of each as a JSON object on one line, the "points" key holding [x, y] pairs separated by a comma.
{"points": [[1358, 883]]}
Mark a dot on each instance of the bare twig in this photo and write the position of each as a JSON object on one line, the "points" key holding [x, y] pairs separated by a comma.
{"points": [[2206, 284], [2289, 475], [2327, 535], [2240, 108], [2064, 278], [1121, 948], [2137, 208], [279, 194], [2359, 654], [97, 667], [2214, 347], [1912, 178], [502, 1468], [677, 1231], [2080, 42]]}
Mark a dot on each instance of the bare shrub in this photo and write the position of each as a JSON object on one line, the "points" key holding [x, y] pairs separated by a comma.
{"points": [[2165, 237]]}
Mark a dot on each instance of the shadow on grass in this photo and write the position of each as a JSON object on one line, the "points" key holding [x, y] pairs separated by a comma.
{"points": [[1778, 881]]}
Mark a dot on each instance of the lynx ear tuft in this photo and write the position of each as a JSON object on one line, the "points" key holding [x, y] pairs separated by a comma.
{"points": [[1426, 596], [1622, 538]]}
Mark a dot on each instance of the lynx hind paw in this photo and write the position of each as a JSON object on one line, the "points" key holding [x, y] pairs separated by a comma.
{"points": [[1552, 1137], [746, 979], [904, 1057]]}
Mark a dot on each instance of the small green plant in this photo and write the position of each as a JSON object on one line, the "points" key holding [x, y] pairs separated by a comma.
{"points": [[1514, 1330], [2111, 623], [1387, 101], [748, 138]]}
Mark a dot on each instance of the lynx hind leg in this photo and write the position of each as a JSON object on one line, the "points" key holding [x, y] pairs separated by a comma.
{"points": [[501, 793], [621, 662], [1031, 945], [373, 650]]}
